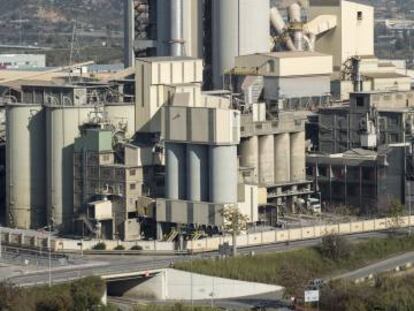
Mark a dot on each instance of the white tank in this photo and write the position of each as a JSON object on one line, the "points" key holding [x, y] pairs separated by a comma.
{"points": [[62, 127], [25, 166], [298, 158], [240, 27]]}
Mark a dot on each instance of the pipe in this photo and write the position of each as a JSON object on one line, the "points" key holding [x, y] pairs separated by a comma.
{"points": [[298, 39], [279, 25], [277, 21], [129, 33], [356, 74], [176, 48], [294, 13]]}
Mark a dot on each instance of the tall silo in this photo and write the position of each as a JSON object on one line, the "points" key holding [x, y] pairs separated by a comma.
{"points": [[249, 154], [266, 159], [175, 162], [62, 127], [298, 158], [282, 158], [25, 166], [240, 27], [197, 172], [223, 174]]}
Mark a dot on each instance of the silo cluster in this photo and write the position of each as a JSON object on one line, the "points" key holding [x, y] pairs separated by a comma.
{"points": [[201, 173], [276, 158]]}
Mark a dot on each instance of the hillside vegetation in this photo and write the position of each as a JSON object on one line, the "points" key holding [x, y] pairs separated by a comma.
{"points": [[294, 269]]}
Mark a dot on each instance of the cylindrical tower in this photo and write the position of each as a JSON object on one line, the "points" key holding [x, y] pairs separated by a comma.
{"points": [[129, 35], [25, 166], [297, 160], [240, 27], [249, 151], [175, 163], [223, 174], [197, 172], [266, 159], [282, 158], [62, 126]]}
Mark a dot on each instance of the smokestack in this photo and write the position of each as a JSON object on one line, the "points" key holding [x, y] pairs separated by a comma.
{"points": [[129, 33]]}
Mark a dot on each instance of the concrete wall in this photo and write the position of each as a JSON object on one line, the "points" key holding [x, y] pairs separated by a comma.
{"points": [[173, 284], [305, 233], [351, 36]]}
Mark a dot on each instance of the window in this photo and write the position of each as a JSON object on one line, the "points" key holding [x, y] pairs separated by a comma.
{"points": [[359, 15], [132, 186], [132, 172], [360, 101]]}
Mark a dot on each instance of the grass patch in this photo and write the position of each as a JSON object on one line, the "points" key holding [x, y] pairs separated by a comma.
{"points": [[175, 307], [294, 269], [386, 293]]}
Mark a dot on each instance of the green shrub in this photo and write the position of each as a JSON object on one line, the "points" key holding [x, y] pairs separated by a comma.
{"points": [[119, 248], [136, 248], [101, 246]]}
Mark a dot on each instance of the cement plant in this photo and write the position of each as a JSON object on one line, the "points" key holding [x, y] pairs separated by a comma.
{"points": [[233, 128]]}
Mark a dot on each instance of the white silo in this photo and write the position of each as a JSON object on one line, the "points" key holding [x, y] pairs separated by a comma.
{"points": [[176, 172], [249, 154], [240, 27], [266, 159], [223, 174], [282, 158], [62, 127], [25, 166], [298, 156], [197, 172]]}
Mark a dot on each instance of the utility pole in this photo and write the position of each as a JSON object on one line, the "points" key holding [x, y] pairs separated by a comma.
{"points": [[50, 256]]}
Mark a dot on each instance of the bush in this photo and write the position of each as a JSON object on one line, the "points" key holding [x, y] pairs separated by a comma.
{"points": [[101, 246], [335, 247], [119, 248], [136, 248]]}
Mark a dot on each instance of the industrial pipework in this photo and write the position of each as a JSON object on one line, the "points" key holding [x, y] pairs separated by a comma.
{"points": [[297, 35], [177, 42]]}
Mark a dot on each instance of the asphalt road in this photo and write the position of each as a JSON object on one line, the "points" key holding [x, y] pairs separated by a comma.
{"points": [[106, 265], [379, 267]]}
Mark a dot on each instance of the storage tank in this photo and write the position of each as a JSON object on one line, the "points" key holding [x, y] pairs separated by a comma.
{"points": [[223, 174], [25, 166], [62, 127], [197, 172], [249, 154], [266, 159], [282, 158], [176, 174], [298, 159], [240, 27]]}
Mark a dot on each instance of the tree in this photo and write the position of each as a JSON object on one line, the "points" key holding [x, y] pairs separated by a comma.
{"points": [[335, 247], [396, 211], [234, 223]]}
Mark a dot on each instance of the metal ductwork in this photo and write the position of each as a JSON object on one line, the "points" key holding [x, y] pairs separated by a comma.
{"points": [[297, 35], [177, 42], [279, 25]]}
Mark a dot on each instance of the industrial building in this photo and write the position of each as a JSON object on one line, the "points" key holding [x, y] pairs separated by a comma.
{"points": [[22, 61], [365, 181], [148, 153]]}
